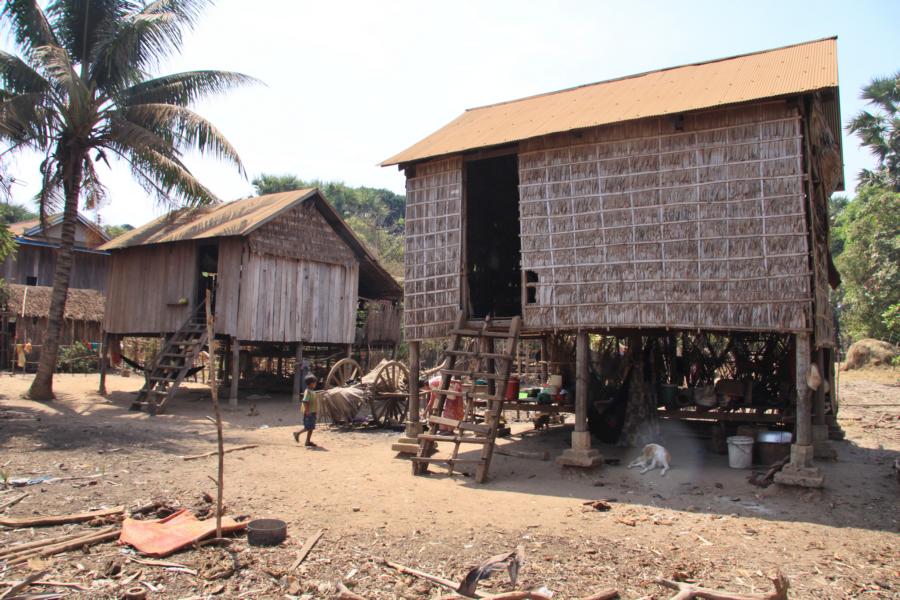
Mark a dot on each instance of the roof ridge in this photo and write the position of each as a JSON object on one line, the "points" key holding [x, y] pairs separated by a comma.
{"points": [[652, 71]]}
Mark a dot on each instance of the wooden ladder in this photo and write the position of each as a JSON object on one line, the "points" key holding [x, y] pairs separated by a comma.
{"points": [[168, 369], [492, 366]]}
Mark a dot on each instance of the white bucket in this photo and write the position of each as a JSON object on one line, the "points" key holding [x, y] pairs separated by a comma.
{"points": [[740, 452]]}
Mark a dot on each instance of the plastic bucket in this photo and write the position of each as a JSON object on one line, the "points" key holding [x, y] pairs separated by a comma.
{"points": [[512, 389], [740, 452]]}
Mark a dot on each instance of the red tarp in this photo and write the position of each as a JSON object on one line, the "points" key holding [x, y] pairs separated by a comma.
{"points": [[164, 536]]}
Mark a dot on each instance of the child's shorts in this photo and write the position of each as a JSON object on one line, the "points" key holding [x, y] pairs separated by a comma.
{"points": [[309, 421]]}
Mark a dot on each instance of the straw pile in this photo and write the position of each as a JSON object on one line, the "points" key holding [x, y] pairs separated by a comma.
{"points": [[870, 353]]}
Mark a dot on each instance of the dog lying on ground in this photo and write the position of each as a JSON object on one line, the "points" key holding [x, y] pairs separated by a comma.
{"points": [[651, 457]]}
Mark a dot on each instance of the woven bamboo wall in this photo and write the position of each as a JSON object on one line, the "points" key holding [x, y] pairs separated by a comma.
{"points": [[691, 223], [302, 233], [431, 288]]}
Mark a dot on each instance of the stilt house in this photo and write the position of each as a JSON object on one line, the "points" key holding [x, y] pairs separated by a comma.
{"points": [[285, 269], [690, 199]]}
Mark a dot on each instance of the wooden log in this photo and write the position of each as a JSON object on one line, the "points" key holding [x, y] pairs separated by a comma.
{"points": [[422, 575], [18, 548], [75, 544], [215, 452], [16, 522], [345, 594], [610, 594], [306, 549]]}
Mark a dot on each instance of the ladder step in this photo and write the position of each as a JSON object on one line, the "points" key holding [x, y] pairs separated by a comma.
{"points": [[186, 342], [480, 333], [167, 379], [449, 392], [493, 355], [473, 374], [461, 439], [452, 461], [462, 425], [173, 355]]}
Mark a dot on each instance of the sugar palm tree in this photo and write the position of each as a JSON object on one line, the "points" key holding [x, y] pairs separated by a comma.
{"points": [[879, 130], [79, 92]]}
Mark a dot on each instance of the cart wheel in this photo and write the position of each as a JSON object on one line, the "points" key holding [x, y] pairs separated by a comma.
{"points": [[343, 372], [389, 393]]}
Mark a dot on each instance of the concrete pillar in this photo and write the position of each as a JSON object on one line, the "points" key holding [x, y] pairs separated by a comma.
{"points": [[800, 471], [581, 454], [235, 371]]}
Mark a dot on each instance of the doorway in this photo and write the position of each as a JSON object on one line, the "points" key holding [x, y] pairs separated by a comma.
{"points": [[492, 237], [207, 271]]}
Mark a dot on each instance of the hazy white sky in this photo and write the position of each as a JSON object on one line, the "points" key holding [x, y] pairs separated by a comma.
{"points": [[348, 84]]}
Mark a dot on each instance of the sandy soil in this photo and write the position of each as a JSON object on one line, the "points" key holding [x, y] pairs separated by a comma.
{"points": [[703, 520]]}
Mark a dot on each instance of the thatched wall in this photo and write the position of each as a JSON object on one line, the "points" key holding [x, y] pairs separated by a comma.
{"points": [[382, 324], [697, 222], [431, 288], [302, 232]]}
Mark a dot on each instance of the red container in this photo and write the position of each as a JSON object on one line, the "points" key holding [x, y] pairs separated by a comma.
{"points": [[512, 390]]}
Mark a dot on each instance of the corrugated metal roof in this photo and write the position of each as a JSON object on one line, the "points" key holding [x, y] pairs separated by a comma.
{"points": [[783, 71], [32, 227], [238, 218]]}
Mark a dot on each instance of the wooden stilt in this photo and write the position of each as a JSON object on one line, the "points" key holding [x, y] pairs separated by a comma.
{"points": [[235, 371], [298, 372], [104, 350]]}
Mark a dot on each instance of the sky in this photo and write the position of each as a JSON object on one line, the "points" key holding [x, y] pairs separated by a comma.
{"points": [[345, 85]]}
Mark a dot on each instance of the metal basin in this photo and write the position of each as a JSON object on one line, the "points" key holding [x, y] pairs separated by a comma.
{"points": [[266, 532]]}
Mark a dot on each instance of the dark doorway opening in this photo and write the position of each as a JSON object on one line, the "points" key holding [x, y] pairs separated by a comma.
{"points": [[492, 237], [207, 269]]}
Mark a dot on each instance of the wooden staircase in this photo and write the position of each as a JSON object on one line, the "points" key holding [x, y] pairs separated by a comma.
{"points": [[165, 374], [476, 360]]}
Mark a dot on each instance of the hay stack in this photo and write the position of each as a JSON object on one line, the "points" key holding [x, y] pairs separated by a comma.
{"points": [[870, 353]]}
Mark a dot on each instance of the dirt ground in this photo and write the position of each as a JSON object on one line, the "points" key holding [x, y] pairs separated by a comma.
{"points": [[702, 521]]}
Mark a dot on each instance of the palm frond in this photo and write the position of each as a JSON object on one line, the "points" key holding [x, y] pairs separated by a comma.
{"points": [[24, 120], [186, 130], [50, 198], [58, 65], [883, 92], [165, 178], [123, 133], [127, 53], [93, 191], [183, 89], [80, 24], [17, 76], [29, 25]]}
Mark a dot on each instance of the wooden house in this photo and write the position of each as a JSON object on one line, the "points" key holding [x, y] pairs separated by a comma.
{"points": [[285, 269], [690, 199], [29, 275]]}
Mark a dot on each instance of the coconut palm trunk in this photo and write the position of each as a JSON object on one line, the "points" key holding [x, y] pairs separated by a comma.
{"points": [[42, 386]]}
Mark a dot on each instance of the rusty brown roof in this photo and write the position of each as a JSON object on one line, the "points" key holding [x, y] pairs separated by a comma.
{"points": [[783, 71]]}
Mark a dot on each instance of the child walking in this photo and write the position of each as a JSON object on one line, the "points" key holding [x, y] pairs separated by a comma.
{"points": [[310, 406]]}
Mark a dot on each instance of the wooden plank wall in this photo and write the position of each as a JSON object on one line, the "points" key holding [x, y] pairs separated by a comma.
{"points": [[382, 323], [432, 258], [145, 285], [688, 222], [231, 252], [89, 269], [284, 300]]}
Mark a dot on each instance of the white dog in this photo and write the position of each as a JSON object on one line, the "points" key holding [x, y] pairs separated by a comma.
{"points": [[651, 457]]}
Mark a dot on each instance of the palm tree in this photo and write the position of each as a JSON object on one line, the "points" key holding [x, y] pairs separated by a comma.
{"points": [[879, 130], [79, 92]]}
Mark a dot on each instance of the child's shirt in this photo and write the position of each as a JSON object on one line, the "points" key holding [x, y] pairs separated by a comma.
{"points": [[310, 398]]}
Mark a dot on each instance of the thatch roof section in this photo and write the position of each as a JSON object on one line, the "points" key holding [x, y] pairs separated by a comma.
{"points": [[237, 218], [774, 73], [34, 301]]}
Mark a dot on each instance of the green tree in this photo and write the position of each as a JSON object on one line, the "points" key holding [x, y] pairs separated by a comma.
{"points": [[13, 213], [114, 231], [868, 231], [80, 91], [879, 131], [274, 184]]}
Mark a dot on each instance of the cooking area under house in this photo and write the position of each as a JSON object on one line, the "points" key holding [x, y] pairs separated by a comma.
{"points": [[289, 283], [650, 247]]}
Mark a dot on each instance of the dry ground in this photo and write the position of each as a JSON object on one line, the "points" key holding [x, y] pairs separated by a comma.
{"points": [[702, 520]]}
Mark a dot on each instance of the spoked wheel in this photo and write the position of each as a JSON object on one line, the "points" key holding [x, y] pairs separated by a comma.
{"points": [[389, 394], [343, 372]]}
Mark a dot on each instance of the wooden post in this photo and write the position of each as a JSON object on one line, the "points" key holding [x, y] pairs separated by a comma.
{"points": [[104, 349], [214, 391], [298, 371], [280, 366], [581, 454], [235, 370], [582, 380], [819, 405], [545, 358], [413, 426]]}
